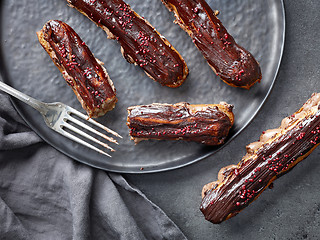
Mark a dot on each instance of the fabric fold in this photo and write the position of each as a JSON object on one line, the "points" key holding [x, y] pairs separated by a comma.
{"points": [[47, 195]]}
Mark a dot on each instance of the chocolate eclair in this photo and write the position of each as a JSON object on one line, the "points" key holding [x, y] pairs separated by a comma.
{"points": [[277, 151], [84, 73], [140, 43], [232, 63], [205, 123]]}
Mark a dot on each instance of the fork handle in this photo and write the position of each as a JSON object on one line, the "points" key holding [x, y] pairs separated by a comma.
{"points": [[36, 104]]}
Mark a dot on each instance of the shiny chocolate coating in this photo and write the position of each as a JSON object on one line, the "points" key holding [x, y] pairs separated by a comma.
{"points": [[231, 62], [140, 42], [174, 122], [243, 183], [80, 68]]}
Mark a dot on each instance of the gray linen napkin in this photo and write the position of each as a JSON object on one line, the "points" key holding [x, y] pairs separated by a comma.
{"points": [[46, 195]]}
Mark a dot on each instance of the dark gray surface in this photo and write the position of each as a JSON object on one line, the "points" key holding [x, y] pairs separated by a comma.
{"points": [[291, 210], [256, 24], [46, 195]]}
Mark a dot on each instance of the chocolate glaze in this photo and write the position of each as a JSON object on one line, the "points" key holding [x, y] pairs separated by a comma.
{"points": [[265, 162], [81, 70], [171, 122], [231, 62], [141, 43]]}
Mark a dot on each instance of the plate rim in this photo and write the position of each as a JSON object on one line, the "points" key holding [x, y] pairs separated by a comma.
{"points": [[16, 102]]}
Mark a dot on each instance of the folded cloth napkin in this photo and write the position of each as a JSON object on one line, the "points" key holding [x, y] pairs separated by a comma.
{"points": [[46, 195]]}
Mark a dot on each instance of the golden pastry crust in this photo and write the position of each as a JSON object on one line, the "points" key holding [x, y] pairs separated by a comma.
{"points": [[231, 62], [205, 123], [85, 74], [277, 152], [141, 44]]}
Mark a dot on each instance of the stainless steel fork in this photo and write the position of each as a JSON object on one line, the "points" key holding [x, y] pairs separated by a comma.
{"points": [[58, 117]]}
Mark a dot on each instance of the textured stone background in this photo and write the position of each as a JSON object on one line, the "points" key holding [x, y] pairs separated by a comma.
{"points": [[291, 210]]}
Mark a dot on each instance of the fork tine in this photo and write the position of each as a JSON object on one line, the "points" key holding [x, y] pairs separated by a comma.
{"points": [[81, 124], [81, 115], [76, 130], [80, 141]]}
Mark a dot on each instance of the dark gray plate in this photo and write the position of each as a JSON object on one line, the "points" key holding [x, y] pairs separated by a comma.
{"points": [[258, 25]]}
